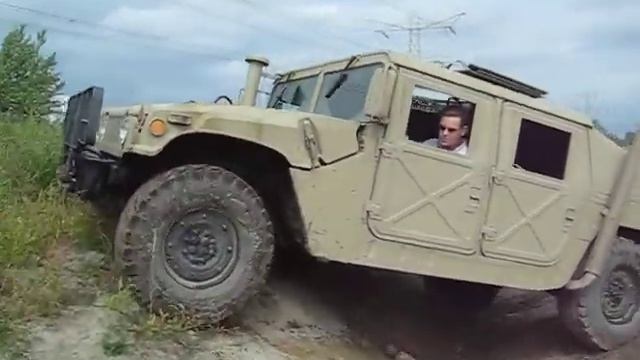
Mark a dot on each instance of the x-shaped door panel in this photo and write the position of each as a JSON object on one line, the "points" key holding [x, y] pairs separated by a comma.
{"points": [[428, 200], [527, 222]]}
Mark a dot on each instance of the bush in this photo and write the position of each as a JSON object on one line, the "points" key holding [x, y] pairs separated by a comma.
{"points": [[34, 213], [38, 223], [29, 153], [30, 227]]}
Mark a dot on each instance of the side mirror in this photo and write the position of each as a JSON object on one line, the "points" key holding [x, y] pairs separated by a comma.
{"points": [[378, 104]]}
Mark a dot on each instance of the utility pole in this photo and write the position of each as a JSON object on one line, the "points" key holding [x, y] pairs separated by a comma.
{"points": [[416, 25]]}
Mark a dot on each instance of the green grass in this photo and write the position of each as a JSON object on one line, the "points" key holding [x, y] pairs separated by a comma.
{"points": [[38, 223], [136, 324], [42, 232], [29, 154], [147, 324]]}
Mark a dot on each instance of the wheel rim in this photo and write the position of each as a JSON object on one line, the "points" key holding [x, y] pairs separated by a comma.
{"points": [[201, 249], [621, 296]]}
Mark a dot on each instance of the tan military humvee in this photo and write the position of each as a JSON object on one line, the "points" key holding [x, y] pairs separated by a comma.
{"points": [[341, 162]]}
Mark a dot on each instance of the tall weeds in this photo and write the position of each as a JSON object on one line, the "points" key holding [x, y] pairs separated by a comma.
{"points": [[36, 220]]}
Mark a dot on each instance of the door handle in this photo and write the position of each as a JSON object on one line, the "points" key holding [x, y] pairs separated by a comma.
{"points": [[474, 200], [571, 214], [570, 218]]}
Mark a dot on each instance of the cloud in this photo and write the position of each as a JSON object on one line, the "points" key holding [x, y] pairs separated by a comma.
{"points": [[184, 49]]}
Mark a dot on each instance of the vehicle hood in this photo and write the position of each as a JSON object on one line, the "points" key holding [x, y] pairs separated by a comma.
{"points": [[287, 132]]}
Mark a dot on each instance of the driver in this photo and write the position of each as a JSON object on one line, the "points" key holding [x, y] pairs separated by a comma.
{"points": [[454, 128]]}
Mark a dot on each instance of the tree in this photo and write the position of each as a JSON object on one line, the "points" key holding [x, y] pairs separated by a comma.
{"points": [[628, 138], [615, 138], [28, 79]]}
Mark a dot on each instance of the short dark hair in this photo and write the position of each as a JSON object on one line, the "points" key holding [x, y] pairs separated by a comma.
{"points": [[456, 111]]}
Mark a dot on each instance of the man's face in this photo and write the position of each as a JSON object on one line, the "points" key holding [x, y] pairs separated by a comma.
{"points": [[451, 132]]}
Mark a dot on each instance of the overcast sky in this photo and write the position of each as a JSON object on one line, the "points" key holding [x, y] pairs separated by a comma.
{"points": [[584, 52]]}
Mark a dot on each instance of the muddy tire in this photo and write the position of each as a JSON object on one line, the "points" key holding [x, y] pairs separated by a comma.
{"points": [[195, 239], [605, 315], [466, 296]]}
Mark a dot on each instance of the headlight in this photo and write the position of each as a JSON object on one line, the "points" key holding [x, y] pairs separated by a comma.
{"points": [[102, 129]]}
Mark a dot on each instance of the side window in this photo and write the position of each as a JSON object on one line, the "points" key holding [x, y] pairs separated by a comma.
{"points": [[542, 149], [440, 120]]}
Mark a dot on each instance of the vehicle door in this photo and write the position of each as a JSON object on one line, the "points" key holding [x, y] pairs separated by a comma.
{"points": [[538, 187], [423, 195]]}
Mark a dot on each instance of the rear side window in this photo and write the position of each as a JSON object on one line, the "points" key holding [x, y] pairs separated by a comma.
{"points": [[542, 149]]}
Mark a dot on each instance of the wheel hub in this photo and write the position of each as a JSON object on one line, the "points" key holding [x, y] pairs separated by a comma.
{"points": [[621, 296], [201, 248]]}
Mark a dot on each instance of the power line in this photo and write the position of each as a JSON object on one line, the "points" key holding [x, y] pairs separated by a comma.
{"points": [[77, 21], [93, 25], [85, 34], [339, 37], [204, 10], [261, 29], [415, 28]]}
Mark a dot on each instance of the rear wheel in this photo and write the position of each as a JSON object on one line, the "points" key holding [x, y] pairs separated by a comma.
{"points": [[196, 238], [605, 315]]}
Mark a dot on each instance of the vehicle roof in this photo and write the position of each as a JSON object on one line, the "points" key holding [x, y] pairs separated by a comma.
{"points": [[456, 77]]}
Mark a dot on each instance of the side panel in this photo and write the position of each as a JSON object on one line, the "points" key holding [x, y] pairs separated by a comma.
{"points": [[607, 157], [333, 199], [539, 190], [334, 203], [631, 212]]}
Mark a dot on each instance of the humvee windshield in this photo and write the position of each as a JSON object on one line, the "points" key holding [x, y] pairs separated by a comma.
{"points": [[342, 94]]}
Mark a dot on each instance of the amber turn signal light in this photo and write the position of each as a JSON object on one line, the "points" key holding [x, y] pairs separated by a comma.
{"points": [[158, 127]]}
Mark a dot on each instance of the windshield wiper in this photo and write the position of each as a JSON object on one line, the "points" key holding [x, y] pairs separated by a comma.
{"points": [[341, 79], [336, 85], [279, 97]]}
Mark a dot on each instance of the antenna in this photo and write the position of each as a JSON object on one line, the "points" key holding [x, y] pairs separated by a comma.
{"points": [[415, 28]]}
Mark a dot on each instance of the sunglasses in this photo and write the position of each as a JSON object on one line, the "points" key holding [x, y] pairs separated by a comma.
{"points": [[443, 128]]}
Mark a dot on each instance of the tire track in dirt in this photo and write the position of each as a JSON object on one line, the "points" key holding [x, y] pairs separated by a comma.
{"points": [[325, 311]]}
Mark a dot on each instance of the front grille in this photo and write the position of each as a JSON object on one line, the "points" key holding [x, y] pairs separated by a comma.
{"points": [[82, 119]]}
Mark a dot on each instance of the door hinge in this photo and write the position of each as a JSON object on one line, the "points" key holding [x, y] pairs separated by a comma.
{"points": [[373, 210], [388, 150], [489, 233], [311, 143], [497, 177]]}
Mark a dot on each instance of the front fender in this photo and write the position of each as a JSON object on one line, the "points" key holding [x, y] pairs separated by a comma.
{"points": [[285, 133]]}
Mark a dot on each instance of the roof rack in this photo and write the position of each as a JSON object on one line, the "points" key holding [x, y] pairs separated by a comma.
{"points": [[502, 80]]}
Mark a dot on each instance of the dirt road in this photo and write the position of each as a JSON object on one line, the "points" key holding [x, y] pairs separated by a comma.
{"points": [[331, 311]]}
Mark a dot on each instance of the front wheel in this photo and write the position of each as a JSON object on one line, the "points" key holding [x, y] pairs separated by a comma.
{"points": [[605, 315], [195, 238]]}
